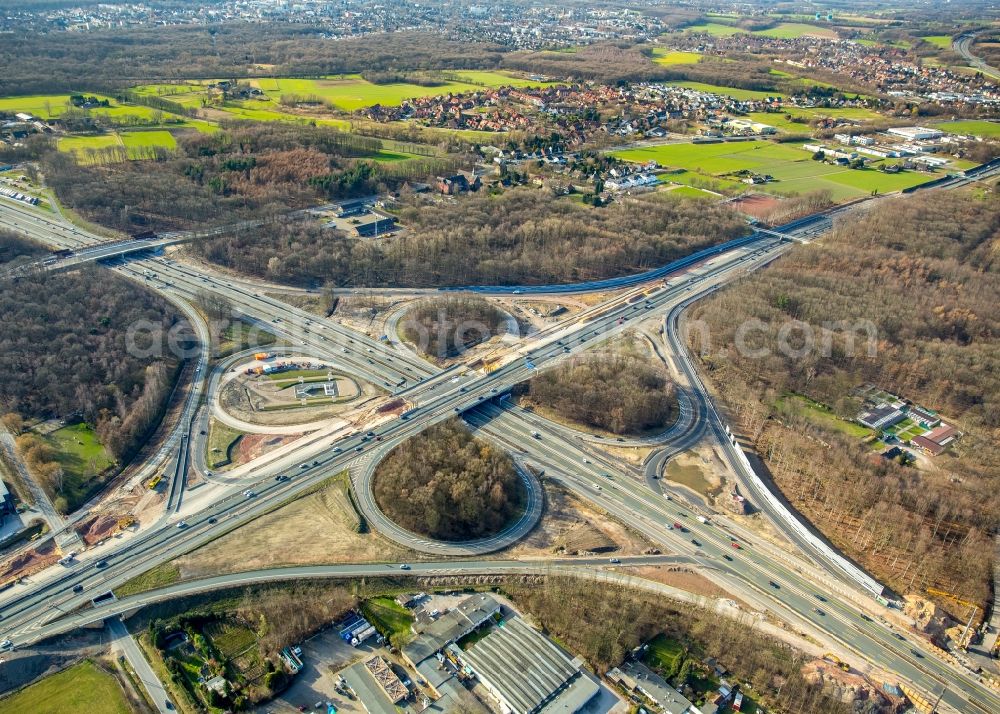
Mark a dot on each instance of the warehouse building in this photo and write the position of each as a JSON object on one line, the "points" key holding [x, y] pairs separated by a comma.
{"points": [[527, 673], [451, 627], [639, 680]]}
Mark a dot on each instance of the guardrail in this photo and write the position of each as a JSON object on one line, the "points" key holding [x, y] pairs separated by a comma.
{"points": [[852, 571]]}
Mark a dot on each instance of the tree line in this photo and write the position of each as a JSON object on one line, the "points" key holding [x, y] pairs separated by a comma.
{"points": [[522, 236], [446, 484]]}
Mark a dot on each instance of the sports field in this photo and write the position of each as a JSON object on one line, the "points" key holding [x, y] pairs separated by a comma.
{"points": [[662, 55], [728, 91], [792, 167], [985, 129]]}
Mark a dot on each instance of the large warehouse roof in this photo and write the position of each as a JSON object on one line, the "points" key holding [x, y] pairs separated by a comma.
{"points": [[452, 626], [520, 665]]}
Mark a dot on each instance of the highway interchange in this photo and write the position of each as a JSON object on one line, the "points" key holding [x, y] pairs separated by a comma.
{"points": [[792, 588]]}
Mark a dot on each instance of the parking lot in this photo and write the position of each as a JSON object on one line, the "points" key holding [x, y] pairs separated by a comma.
{"points": [[322, 656]]}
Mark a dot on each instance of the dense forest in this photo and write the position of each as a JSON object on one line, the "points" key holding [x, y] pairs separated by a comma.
{"points": [[623, 394], [604, 622], [446, 484], [248, 171], [924, 271], [65, 350], [107, 60], [15, 250], [445, 327], [522, 236]]}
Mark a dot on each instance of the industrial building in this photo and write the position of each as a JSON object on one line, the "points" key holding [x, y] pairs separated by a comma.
{"points": [[6, 501], [527, 673], [450, 627], [915, 133]]}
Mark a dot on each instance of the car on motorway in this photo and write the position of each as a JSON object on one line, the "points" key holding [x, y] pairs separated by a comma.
{"points": [[736, 545], [370, 433], [818, 611], [404, 566], [773, 584], [695, 541], [249, 493], [678, 526], [597, 486], [280, 477], [820, 597], [303, 466], [6, 645], [101, 564], [337, 449], [728, 557], [213, 520], [614, 561], [78, 588], [182, 524], [586, 460], [358, 448]]}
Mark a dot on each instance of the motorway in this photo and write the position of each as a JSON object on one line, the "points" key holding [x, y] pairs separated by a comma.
{"points": [[35, 610], [963, 45]]}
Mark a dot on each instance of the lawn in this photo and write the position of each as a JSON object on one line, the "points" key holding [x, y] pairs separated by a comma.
{"points": [[82, 458], [985, 129], [84, 687], [940, 41], [663, 652], [733, 92], [293, 375], [792, 167], [351, 92], [220, 440], [821, 415], [663, 56], [792, 30], [159, 577], [388, 616]]}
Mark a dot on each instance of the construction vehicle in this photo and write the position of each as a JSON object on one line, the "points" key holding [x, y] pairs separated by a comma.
{"points": [[262, 355], [834, 659]]}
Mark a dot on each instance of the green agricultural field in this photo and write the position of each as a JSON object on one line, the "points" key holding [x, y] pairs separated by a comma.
{"points": [[83, 687], [784, 120], [940, 41], [663, 56], [792, 30], [730, 91], [187, 95], [985, 129], [792, 167], [81, 145], [351, 92], [137, 140], [715, 29]]}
